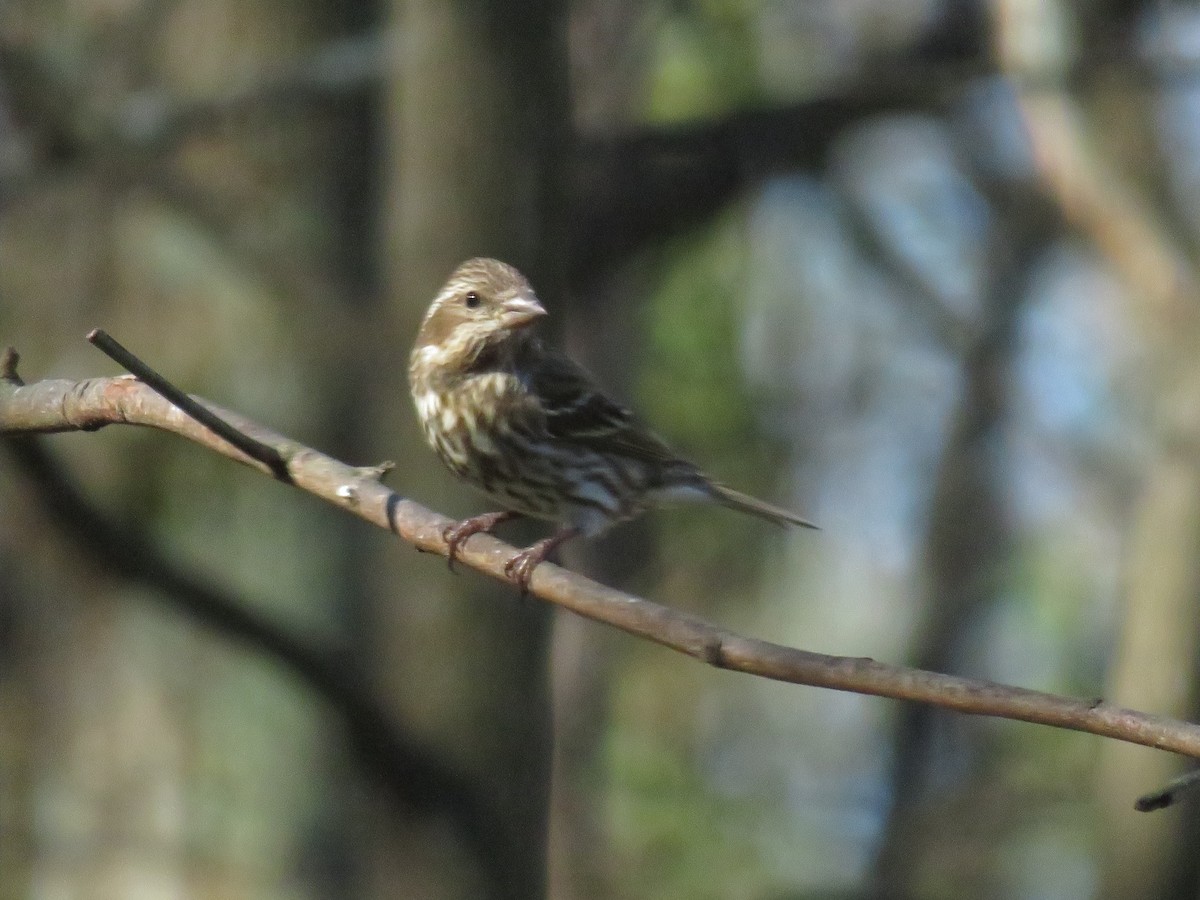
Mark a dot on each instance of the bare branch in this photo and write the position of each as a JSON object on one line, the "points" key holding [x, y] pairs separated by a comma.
{"points": [[1170, 794], [50, 406], [416, 776], [257, 450]]}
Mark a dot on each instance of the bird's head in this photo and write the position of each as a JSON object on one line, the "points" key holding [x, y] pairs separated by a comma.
{"points": [[483, 305]]}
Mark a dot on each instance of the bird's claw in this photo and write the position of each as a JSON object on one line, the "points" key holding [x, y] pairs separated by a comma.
{"points": [[520, 568], [455, 535], [450, 534]]}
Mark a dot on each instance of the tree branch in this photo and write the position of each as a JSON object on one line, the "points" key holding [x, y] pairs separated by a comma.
{"points": [[414, 775], [1170, 794], [256, 450], [58, 405]]}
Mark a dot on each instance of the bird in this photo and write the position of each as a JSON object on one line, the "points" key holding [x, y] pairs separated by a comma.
{"points": [[529, 427]]}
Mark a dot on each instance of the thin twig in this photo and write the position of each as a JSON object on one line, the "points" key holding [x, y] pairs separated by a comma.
{"points": [[416, 776], [9, 358], [63, 405], [1169, 795], [264, 453]]}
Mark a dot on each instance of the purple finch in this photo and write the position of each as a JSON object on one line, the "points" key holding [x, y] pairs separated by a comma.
{"points": [[527, 426]]}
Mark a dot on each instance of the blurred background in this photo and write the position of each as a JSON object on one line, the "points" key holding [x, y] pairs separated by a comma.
{"points": [[923, 271]]}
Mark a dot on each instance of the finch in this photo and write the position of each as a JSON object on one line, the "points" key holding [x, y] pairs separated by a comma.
{"points": [[528, 427]]}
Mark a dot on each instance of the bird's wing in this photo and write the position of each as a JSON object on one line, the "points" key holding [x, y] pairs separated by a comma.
{"points": [[578, 412]]}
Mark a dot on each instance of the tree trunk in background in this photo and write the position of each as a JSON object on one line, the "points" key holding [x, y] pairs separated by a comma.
{"points": [[1092, 149], [1154, 666], [476, 109], [966, 552], [158, 761]]}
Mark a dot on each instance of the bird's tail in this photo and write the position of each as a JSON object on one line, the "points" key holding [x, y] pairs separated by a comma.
{"points": [[747, 504]]}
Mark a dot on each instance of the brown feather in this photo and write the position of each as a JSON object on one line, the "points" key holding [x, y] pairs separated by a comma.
{"points": [[745, 503], [530, 427]]}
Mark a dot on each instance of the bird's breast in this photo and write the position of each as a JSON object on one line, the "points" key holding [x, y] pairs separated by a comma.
{"points": [[467, 421]]}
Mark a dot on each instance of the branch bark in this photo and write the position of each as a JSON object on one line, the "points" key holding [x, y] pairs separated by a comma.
{"points": [[60, 405]]}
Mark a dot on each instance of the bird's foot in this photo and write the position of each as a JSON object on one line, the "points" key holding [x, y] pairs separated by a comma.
{"points": [[520, 568], [454, 535]]}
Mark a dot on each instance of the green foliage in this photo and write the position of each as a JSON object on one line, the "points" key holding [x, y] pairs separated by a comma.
{"points": [[672, 833], [703, 63], [691, 389]]}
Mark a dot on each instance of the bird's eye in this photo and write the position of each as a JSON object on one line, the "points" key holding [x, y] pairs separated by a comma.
{"points": [[471, 300]]}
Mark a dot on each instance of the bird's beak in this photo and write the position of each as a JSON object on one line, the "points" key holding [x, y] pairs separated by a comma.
{"points": [[520, 312]]}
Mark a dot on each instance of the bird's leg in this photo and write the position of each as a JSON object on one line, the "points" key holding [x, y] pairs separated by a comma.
{"points": [[455, 534], [520, 567]]}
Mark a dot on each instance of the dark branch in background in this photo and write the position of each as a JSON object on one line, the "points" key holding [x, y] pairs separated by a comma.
{"points": [[65, 405], [630, 190], [627, 191], [417, 779], [157, 120], [150, 120], [131, 555]]}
